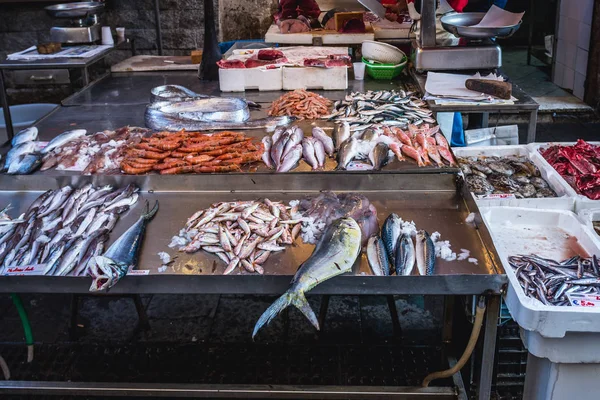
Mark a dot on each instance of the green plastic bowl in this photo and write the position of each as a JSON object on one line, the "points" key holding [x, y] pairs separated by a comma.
{"points": [[382, 71]]}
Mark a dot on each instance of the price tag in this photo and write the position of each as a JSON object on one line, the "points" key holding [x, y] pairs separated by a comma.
{"points": [[584, 300], [138, 272], [35, 269], [496, 196]]}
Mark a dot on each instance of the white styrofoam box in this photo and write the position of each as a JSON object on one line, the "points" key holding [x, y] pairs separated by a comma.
{"points": [[568, 78], [315, 78], [574, 347], [563, 202], [493, 136], [581, 201], [583, 39], [530, 313], [581, 61], [587, 216], [274, 35], [241, 79]]}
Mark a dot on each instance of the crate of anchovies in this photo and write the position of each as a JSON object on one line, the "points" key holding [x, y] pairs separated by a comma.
{"points": [[551, 261], [509, 176], [577, 164]]}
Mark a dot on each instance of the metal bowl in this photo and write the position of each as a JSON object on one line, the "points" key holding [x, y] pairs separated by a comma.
{"points": [[461, 25], [75, 10]]}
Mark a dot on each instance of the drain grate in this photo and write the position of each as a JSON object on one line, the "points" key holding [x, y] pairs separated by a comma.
{"points": [[361, 365]]}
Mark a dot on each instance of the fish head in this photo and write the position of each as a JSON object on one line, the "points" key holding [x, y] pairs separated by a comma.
{"points": [[106, 272]]}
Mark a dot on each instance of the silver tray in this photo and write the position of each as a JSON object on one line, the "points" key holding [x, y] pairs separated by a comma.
{"points": [[432, 201], [75, 10], [461, 25]]}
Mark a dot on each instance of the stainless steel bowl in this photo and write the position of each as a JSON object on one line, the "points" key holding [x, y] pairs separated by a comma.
{"points": [[461, 25], [75, 10]]}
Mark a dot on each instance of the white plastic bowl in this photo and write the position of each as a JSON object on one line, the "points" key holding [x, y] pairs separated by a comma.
{"points": [[382, 52]]}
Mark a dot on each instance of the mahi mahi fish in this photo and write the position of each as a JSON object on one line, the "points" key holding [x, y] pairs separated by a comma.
{"points": [[122, 254], [334, 254]]}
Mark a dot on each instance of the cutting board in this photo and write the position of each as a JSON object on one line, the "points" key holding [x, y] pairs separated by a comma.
{"points": [[155, 63], [329, 37]]}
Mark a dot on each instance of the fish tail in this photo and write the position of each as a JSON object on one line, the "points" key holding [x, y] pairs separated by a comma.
{"points": [[297, 299], [148, 215]]}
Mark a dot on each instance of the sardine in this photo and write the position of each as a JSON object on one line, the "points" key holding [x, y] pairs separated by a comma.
{"points": [[266, 157], [425, 253], [333, 255], [63, 139], [390, 233], [26, 135], [320, 135], [60, 196], [25, 164], [405, 256], [69, 260], [377, 257], [290, 161], [122, 254]]}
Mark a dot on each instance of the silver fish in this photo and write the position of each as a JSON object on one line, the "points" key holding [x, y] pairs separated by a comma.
{"points": [[390, 233], [379, 156], [69, 260], [333, 255], [63, 139], [295, 138], [377, 257], [25, 164], [291, 160], [26, 135], [405, 256], [341, 133], [308, 152], [122, 254], [425, 253], [278, 148], [266, 157], [319, 153], [58, 199], [19, 150], [348, 151], [320, 135]]}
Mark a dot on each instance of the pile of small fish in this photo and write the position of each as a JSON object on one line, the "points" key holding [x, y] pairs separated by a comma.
{"points": [[63, 230], [318, 213], [335, 254], [241, 233], [550, 281], [394, 250], [578, 164], [504, 175], [100, 153], [383, 107], [300, 104], [424, 145], [191, 152], [285, 149]]}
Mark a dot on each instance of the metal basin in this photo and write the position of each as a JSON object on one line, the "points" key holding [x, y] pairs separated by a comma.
{"points": [[461, 25], [75, 10]]}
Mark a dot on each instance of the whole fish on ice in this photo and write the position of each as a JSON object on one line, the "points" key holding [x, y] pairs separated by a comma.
{"points": [[334, 254]]}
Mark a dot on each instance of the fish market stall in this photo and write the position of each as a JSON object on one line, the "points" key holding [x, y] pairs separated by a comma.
{"points": [[246, 231]]}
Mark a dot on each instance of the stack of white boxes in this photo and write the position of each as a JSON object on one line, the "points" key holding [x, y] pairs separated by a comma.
{"points": [[574, 30]]}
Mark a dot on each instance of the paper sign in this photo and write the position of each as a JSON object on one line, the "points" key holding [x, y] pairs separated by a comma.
{"points": [[35, 269], [584, 300], [498, 18], [139, 272]]}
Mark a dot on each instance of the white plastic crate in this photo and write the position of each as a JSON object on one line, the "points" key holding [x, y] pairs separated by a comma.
{"points": [[581, 201], [315, 78], [530, 313], [242, 79], [565, 200]]}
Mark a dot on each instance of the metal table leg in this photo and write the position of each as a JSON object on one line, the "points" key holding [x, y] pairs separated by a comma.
{"points": [[532, 126], [4, 103], [489, 348], [86, 77]]}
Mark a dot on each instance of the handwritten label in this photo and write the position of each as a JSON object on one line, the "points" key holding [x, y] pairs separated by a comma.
{"points": [[584, 300], [35, 269], [496, 196], [138, 272]]}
